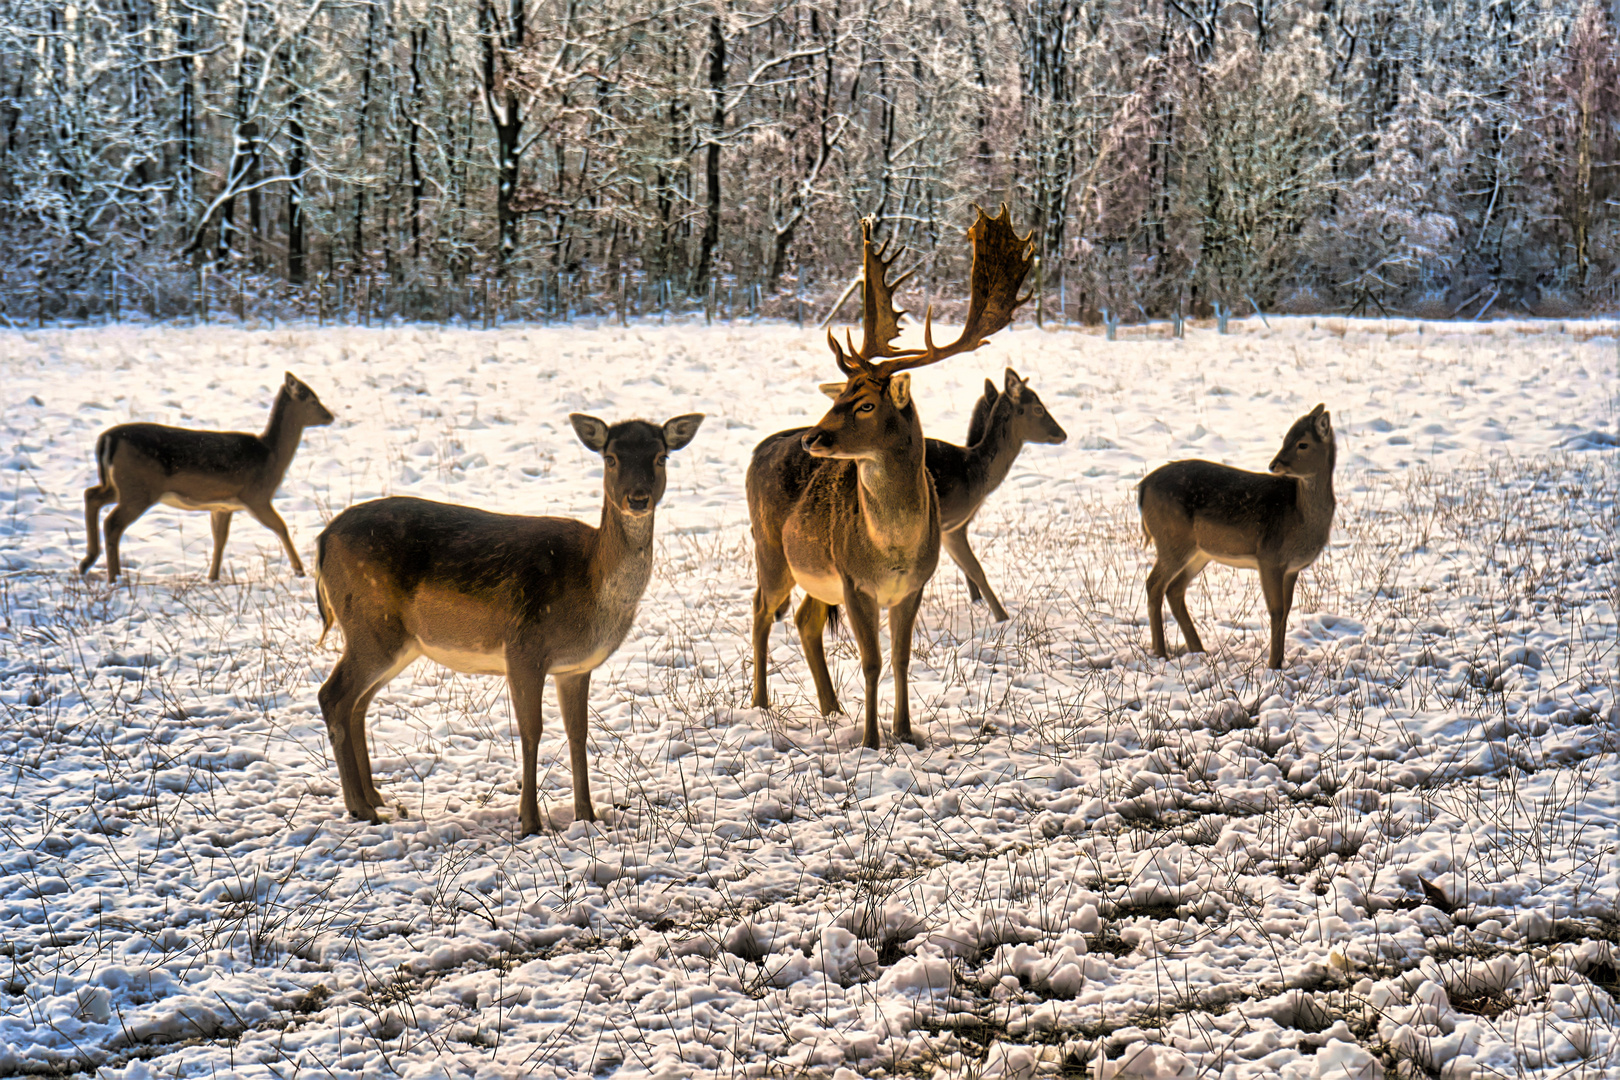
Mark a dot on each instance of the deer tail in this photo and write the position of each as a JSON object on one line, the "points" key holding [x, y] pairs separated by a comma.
{"points": [[1141, 500], [106, 446], [322, 602]]}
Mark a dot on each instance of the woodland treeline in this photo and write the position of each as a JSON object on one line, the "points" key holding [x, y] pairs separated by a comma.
{"points": [[1437, 157]]}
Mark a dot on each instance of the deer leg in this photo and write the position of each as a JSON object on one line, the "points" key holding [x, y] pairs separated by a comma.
{"points": [[775, 589], [863, 623], [573, 693], [1158, 580], [527, 682], [811, 620], [956, 545], [94, 499], [221, 521], [1176, 593], [358, 742], [363, 669], [130, 507], [266, 515], [1274, 586], [902, 618]]}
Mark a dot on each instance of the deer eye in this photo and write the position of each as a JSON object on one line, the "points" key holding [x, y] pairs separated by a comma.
{"points": [[612, 462], [1304, 446], [660, 460], [865, 407]]}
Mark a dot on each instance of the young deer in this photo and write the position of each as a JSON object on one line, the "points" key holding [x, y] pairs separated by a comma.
{"points": [[1197, 511], [846, 509], [218, 471], [491, 594], [964, 476]]}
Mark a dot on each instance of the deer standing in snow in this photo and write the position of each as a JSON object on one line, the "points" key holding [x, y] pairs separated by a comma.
{"points": [[1197, 512], [491, 594], [964, 476], [140, 465], [846, 509]]}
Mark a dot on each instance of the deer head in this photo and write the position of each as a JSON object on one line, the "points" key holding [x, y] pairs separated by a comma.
{"points": [[872, 407], [304, 406], [634, 454], [1308, 449]]}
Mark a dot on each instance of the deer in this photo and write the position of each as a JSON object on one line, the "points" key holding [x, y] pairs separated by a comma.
{"points": [[491, 594], [964, 476], [1197, 512], [846, 510], [140, 465]]}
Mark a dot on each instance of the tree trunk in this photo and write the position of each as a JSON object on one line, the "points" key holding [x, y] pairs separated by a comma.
{"points": [[711, 170]]}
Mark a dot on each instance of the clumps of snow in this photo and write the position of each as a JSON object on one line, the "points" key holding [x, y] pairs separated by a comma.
{"points": [[1396, 855]]}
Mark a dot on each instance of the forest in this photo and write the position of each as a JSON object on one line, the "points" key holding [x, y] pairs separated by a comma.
{"points": [[475, 159]]}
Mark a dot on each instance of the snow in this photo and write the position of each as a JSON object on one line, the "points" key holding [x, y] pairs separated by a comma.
{"points": [[1398, 852]]}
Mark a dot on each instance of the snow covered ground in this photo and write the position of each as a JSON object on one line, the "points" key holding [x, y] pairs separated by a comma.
{"points": [[1400, 855]]}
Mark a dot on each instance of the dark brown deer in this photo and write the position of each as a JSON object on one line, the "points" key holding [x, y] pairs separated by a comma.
{"points": [[846, 510], [491, 594], [218, 471], [1197, 512], [964, 476]]}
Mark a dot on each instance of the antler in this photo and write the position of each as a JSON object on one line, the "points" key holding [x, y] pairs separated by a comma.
{"points": [[880, 321], [1001, 261]]}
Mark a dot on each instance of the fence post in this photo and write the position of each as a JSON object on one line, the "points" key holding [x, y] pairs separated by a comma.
{"points": [[202, 292], [1110, 323], [1222, 313]]}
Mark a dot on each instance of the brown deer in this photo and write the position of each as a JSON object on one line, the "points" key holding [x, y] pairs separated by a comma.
{"points": [[1196, 512], [491, 594], [964, 476], [218, 471], [846, 509]]}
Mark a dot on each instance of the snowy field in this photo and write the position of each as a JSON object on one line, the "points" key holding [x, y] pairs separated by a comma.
{"points": [[1398, 856]]}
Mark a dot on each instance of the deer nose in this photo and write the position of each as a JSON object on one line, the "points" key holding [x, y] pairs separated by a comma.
{"points": [[815, 439], [1277, 465], [637, 501]]}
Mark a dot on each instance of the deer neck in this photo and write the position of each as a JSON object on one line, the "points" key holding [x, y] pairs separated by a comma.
{"points": [[992, 457], [895, 493], [281, 434], [1316, 501], [622, 561]]}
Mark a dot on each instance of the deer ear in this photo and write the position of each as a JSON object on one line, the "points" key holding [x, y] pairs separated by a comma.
{"points": [[295, 387], [679, 431], [990, 392], [832, 389], [900, 389], [1324, 424], [1014, 383], [591, 431]]}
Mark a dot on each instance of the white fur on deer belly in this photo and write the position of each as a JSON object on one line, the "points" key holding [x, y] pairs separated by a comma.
{"points": [[576, 665], [466, 661], [1242, 562], [829, 590], [180, 502]]}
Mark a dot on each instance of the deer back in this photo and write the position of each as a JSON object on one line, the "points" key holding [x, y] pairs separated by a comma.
{"points": [[468, 586], [197, 468], [1231, 512]]}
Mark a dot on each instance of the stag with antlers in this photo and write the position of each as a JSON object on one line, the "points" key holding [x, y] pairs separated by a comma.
{"points": [[845, 510]]}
